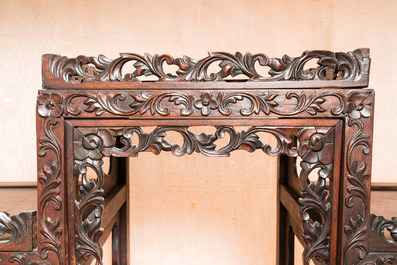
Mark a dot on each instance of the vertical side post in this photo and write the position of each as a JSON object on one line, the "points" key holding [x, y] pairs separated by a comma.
{"points": [[357, 157], [285, 236], [52, 227]]}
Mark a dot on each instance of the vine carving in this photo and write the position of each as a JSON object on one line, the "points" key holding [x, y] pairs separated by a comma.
{"points": [[49, 176], [89, 204], [316, 150], [345, 66]]}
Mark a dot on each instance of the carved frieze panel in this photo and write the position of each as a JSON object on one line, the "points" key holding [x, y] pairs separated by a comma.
{"points": [[351, 66], [197, 104]]}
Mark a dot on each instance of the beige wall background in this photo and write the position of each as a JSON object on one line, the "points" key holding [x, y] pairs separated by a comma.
{"points": [[223, 210]]}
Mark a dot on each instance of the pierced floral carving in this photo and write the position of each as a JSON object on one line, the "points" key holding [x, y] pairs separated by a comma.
{"points": [[316, 150], [103, 139], [89, 204], [346, 66]]}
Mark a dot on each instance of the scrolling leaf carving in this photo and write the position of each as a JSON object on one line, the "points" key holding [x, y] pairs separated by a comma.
{"points": [[379, 224], [346, 66], [379, 259], [89, 204], [104, 139], [359, 108], [316, 150], [25, 259], [49, 177], [132, 103]]}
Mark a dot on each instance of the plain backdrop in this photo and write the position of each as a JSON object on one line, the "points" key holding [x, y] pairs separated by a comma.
{"points": [[192, 210]]}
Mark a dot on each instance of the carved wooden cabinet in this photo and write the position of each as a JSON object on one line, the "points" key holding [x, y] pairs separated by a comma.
{"points": [[88, 110]]}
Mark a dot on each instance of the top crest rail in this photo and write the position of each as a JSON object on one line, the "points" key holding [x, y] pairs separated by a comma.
{"points": [[336, 70]]}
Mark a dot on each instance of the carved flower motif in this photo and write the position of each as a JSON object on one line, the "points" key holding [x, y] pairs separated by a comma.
{"points": [[205, 103], [315, 148], [93, 143], [50, 105], [359, 105]]}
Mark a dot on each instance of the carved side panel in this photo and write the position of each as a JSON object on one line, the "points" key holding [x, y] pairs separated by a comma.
{"points": [[50, 161], [88, 203], [316, 150], [357, 172]]}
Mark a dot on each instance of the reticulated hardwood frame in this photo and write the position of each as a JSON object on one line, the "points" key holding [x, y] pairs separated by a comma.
{"points": [[89, 111]]}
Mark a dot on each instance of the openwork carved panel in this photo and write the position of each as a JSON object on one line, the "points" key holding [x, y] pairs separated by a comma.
{"points": [[89, 199], [352, 66], [316, 147]]}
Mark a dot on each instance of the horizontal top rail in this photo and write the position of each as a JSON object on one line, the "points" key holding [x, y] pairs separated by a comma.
{"points": [[332, 70]]}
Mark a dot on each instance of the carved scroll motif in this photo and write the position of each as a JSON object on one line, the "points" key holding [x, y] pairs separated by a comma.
{"points": [[50, 162], [356, 229], [346, 66], [104, 140], [316, 150], [204, 104], [379, 224], [89, 202], [379, 259]]}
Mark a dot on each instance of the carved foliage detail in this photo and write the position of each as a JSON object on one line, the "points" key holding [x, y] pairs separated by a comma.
{"points": [[49, 178], [104, 140], [379, 259], [379, 224], [316, 150], [359, 107], [346, 66], [89, 201], [25, 259], [13, 228], [132, 103]]}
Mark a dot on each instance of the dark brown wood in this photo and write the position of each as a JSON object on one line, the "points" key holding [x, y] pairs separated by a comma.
{"points": [[89, 111], [348, 70], [18, 232]]}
